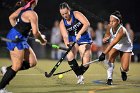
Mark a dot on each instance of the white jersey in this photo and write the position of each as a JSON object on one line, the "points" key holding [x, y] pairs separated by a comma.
{"points": [[125, 44]]}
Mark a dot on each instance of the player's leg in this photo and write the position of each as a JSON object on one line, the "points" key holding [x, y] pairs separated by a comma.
{"points": [[105, 45], [72, 61], [110, 64], [17, 59], [85, 54], [125, 59], [30, 59]]}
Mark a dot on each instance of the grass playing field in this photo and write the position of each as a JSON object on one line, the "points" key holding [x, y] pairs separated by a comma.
{"points": [[34, 81]]}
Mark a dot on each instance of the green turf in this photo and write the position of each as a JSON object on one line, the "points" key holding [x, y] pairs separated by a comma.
{"points": [[34, 81]]}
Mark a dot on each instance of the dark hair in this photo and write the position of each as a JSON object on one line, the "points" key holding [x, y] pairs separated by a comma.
{"points": [[64, 5], [117, 14], [22, 3]]}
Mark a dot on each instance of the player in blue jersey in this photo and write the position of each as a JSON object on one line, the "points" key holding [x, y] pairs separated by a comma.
{"points": [[22, 20], [73, 28]]}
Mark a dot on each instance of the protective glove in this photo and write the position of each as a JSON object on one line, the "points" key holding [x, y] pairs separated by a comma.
{"points": [[102, 57]]}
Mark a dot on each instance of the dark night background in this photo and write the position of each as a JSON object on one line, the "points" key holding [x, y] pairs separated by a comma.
{"points": [[94, 10]]}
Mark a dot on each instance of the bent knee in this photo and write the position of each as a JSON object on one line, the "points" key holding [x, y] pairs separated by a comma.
{"points": [[16, 67], [32, 64], [70, 58]]}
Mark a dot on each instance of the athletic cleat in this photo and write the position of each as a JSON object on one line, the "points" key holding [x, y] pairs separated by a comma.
{"points": [[3, 70], [109, 82], [4, 91], [124, 76], [80, 79]]}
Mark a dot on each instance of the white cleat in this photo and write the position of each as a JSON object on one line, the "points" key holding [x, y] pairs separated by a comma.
{"points": [[4, 91], [80, 79], [3, 70]]}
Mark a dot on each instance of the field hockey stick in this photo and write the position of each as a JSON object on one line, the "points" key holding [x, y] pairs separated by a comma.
{"points": [[8, 40], [96, 60], [57, 47], [62, 72], [71, 69], [59, 62], [50, 44], [18, 40]]}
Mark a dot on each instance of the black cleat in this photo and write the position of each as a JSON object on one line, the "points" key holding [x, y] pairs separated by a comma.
{"points": [[109, 82], [124, 76]]}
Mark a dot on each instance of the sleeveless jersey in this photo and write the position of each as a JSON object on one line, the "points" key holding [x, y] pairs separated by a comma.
{"points": [[125, 44], [23, 27], [21, 31], [75, 26]]}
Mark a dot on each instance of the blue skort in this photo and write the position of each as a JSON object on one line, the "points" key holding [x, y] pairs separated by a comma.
{"points": [[85, 39], [12, 35]]}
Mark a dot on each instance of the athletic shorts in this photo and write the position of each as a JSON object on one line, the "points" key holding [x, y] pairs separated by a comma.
{"points": [[85, 39], [123, 48], [21, 45]]}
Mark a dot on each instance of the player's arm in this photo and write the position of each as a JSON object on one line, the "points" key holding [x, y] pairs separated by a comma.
{"points": [[33, 18], [120, 34], [13, 17], [83, 20], [64, 32], [107, 35]]}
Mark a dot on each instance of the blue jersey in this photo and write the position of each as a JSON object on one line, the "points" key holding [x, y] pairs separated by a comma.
{"points": [[20, 31], [74, 28]]}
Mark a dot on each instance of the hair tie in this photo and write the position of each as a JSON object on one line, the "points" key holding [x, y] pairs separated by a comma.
{"points": [[29, 4]]}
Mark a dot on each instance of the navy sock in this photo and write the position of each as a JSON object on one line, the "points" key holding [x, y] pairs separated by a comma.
{"points": [[25, 66], [74, 65], [8, 76], [83, 69]]}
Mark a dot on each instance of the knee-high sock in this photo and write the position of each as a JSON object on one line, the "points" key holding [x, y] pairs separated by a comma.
{"points": [[83, 69], [8, 76], [110, 70], [74, 65], [122, 70], [25, 66]]}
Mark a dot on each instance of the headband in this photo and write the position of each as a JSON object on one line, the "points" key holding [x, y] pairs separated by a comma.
{"points": [[115, 17]]}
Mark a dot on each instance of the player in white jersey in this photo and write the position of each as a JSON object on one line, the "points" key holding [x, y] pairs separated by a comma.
{"points": [[121, 43]]}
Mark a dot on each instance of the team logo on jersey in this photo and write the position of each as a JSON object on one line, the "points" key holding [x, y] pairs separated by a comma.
{"points": [[74, 27]]}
